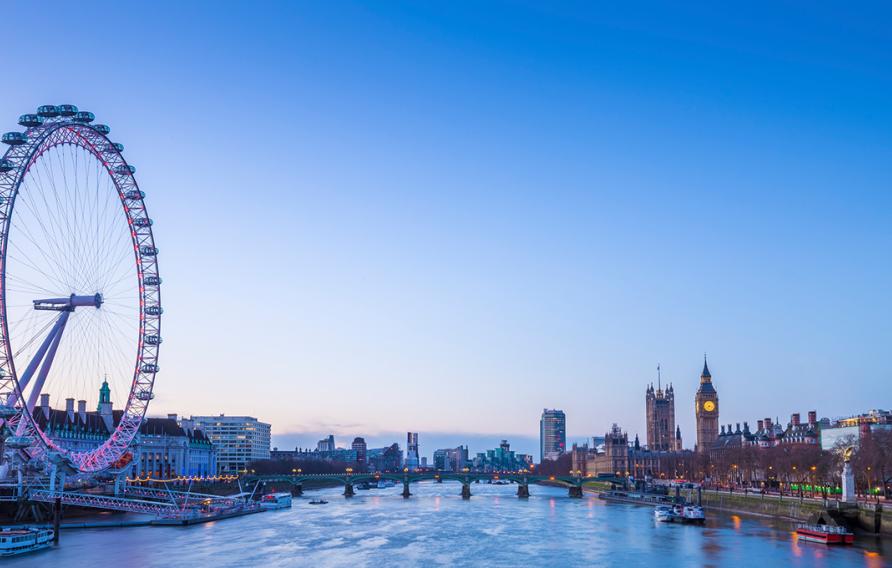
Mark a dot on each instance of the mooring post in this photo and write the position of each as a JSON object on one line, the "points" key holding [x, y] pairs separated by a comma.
{"points": [[57, 519]]}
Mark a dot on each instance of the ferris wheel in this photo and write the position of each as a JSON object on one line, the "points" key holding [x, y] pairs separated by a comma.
{"points": [[80, 303]]}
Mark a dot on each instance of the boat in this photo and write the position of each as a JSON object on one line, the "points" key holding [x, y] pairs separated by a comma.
{"points": [[276, 501], [825, 534], [385, 483], [664, 514], [318, 502], [20, 540], [636, 498], [693, 514]]}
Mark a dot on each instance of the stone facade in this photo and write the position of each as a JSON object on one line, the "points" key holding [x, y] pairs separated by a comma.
{"points": [[706, 408], [660, 413]]}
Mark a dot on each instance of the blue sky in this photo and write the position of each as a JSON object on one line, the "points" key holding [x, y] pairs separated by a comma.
{"points": [[444, 217]]}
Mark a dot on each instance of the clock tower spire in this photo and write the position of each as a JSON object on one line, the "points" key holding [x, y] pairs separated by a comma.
{"points": [[706, 408]]}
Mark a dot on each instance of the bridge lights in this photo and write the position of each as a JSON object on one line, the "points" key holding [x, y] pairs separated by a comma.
{"points": [[349, 470], [405, 470], [466, 470]]}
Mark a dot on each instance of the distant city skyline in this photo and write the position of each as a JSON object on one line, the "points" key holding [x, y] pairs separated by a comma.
{"points": [[398, 217]]}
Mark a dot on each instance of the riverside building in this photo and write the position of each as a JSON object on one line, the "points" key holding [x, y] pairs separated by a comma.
{"points": [[163, 447], [552, 434], [239, 440], [660, 414]]}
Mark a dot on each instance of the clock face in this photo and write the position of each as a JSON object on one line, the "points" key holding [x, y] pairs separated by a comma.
{"points": [[708, 406]]}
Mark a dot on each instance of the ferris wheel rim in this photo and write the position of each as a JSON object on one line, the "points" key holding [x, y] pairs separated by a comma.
{"points": [[39, 139]]}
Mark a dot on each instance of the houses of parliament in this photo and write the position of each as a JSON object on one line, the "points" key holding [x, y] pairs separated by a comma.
{"points": [[662, 432], [663, 454]]}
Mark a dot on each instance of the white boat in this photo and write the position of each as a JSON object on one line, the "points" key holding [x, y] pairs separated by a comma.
{"points": [[385, 483], [664, 514], [276, 501], [693, 514], [19, 540]]}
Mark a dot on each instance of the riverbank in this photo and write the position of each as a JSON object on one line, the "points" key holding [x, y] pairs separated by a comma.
{"points": [[866, 517]]}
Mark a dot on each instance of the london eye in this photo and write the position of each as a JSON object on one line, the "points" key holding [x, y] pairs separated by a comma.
{"points": [[80, 302]]}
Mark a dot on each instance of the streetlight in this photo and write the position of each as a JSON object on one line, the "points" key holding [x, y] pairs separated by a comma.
{"points": [[349, 470]]}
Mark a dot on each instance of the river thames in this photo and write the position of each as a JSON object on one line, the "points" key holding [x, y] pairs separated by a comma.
{"points": [[436, 527]]}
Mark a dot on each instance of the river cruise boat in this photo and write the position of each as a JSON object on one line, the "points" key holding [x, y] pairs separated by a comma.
{"points": [[385, 483], [636, 498], [21, 540], [276, 501], [664, 514], [686, 514], [825, 534], [693, 514]]}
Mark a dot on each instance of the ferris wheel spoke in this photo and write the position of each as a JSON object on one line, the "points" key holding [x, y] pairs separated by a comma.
{"points": [[31, 265], [52, 236], [50, 262]]}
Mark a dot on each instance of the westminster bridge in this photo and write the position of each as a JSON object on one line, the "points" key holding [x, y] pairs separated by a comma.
{"points": [[349, 479]]}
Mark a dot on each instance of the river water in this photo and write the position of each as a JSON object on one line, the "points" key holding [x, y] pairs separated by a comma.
{"points": [[436, 527]]}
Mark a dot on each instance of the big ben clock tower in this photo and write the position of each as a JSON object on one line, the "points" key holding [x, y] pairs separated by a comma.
{"points": [[706, 407]]}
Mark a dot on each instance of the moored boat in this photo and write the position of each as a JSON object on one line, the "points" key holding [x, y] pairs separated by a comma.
{"points": [[664, 514], [318, 502], [276, 501], [636, 498], [20, 540], [825, 534], [693, 514]]}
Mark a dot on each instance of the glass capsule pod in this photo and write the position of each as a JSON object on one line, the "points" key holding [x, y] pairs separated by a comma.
{"points": [[84, 117], [30, 120], [48, 111], [14, 138]]}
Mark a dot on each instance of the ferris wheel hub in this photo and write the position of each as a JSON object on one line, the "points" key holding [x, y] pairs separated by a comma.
{"points": [[68, 304]]}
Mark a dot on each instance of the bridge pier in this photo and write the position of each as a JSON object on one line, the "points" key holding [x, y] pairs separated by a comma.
{"points": [[348, 490], [465, 490], [406, 493], [523, 491], [57, 518], [439, 479], [576, 491], [297, 490]]}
